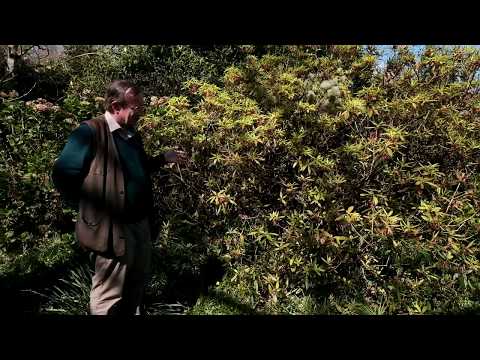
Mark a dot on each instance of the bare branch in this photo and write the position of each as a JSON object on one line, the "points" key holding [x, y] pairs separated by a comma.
{"points": [[8, 79], [29, 91], [453, 197], [23, 52]]}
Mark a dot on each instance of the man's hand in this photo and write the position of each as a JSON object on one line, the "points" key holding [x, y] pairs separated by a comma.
{"points": [[178, 157]]}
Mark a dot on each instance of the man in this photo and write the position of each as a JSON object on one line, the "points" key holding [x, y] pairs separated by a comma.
{"points": [[104, 169]]}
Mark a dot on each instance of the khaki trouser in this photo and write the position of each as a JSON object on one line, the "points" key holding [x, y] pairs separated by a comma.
{"points": [[118, 282]]}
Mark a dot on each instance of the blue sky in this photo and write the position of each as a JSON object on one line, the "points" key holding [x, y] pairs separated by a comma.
{"points": [[387, 52], [417, 49]]}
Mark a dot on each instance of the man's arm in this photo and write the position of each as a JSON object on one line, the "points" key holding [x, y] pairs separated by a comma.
{"points": [[155, 163], [73, 164]]}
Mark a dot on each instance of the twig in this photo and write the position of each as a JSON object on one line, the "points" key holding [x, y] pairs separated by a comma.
{"points": [[450, 203], [34, 292], [472, 78], [5, 80], [178, 177], [23, 94], [180, 171], [464, 221], [361, 236], [23, 52], [363, 273]]}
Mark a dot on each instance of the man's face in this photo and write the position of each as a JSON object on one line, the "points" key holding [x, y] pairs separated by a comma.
{"points": [[132, 111]]}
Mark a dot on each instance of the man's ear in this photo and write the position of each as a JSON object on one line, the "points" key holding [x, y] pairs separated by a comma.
{"points": [[116, 106]]}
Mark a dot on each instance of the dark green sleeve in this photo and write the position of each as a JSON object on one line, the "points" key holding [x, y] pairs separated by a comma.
{"points": [[152, 164], [73, 164], [155, 163]]}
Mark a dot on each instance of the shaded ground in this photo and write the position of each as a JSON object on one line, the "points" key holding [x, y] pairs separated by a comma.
{"points": [[29, 295]]}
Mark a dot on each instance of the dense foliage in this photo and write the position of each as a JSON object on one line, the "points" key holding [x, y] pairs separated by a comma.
{"points": [[318, 182]]}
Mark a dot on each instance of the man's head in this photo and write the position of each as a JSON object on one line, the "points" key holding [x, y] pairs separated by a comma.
{"points": [[125, 102]]}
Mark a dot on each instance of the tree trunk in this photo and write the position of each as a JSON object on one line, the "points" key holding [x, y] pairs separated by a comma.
{"points": [[13, 54], [3, 60]]}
